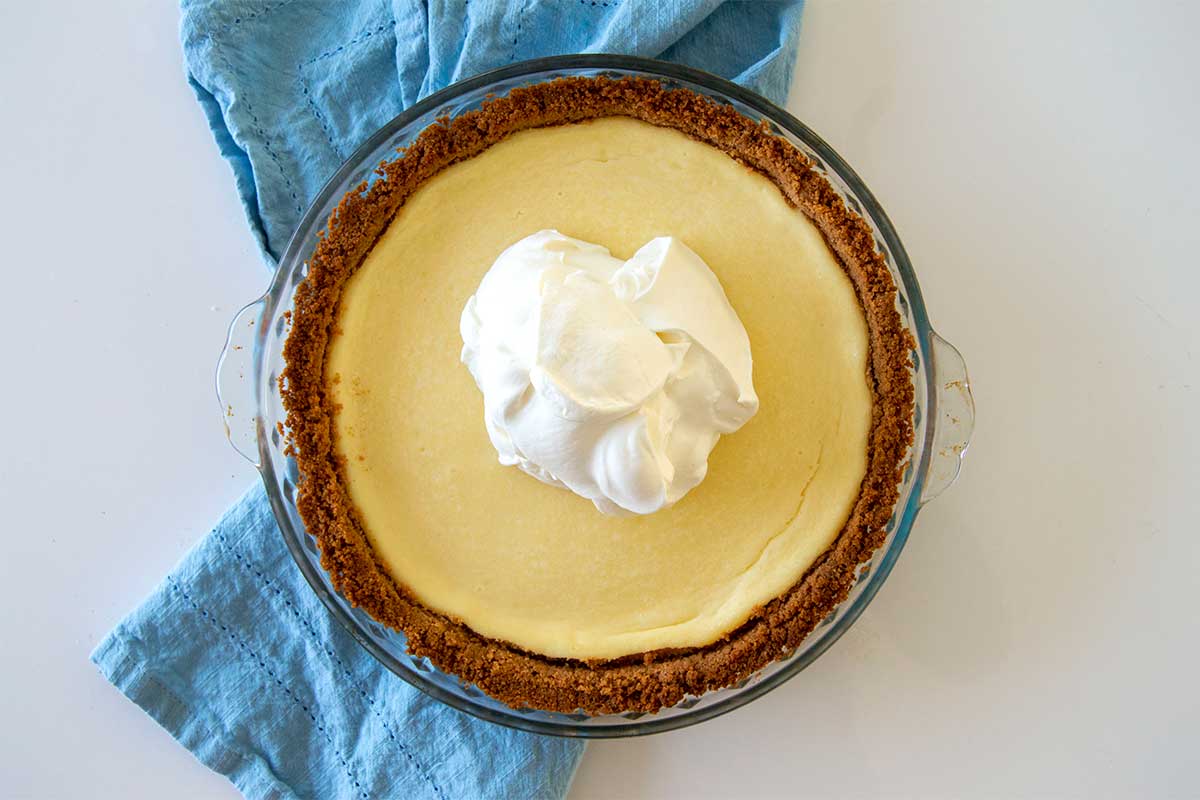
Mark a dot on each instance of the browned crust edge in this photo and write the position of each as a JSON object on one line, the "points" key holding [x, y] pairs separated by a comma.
{"points": [[646, 681]]}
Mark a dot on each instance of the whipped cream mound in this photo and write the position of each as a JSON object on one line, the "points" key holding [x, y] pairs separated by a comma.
{"points": [[611, 378]]}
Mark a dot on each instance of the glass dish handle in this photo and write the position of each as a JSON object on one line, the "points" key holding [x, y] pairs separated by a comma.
{"points": [[235, 381], [955, 418]]}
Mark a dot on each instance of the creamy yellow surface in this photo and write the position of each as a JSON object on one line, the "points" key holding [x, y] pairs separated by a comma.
{"points": [[536, 565]]}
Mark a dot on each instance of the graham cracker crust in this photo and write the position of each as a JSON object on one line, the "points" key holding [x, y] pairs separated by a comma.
{"points": [[644, 681]]}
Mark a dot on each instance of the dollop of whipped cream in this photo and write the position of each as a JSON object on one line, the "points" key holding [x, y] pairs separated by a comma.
{"points": [[611, 378]]}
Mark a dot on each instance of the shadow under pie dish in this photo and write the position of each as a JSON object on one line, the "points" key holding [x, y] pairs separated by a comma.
{"points": [[523, 589]]}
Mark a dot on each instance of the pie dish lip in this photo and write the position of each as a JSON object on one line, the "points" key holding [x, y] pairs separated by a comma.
{"points": [[361, 164]]}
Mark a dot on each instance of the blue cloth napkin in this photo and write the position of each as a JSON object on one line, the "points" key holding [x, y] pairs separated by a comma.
{"points": [[233, 653]]}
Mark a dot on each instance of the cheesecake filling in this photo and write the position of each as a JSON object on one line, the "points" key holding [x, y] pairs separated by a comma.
{"points": [[519, 560], [611, 378]]}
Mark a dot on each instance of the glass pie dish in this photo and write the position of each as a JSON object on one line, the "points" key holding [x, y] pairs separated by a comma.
{"points": [[250, 365]]}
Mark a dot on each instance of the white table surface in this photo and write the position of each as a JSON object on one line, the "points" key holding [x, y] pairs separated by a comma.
{"points": [[1040, 635]]}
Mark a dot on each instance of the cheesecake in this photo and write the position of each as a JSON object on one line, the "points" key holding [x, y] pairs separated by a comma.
{"points": [[577, 491]]}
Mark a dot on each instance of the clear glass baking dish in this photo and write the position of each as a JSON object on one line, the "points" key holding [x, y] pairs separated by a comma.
{"points": [[249, 366]]}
